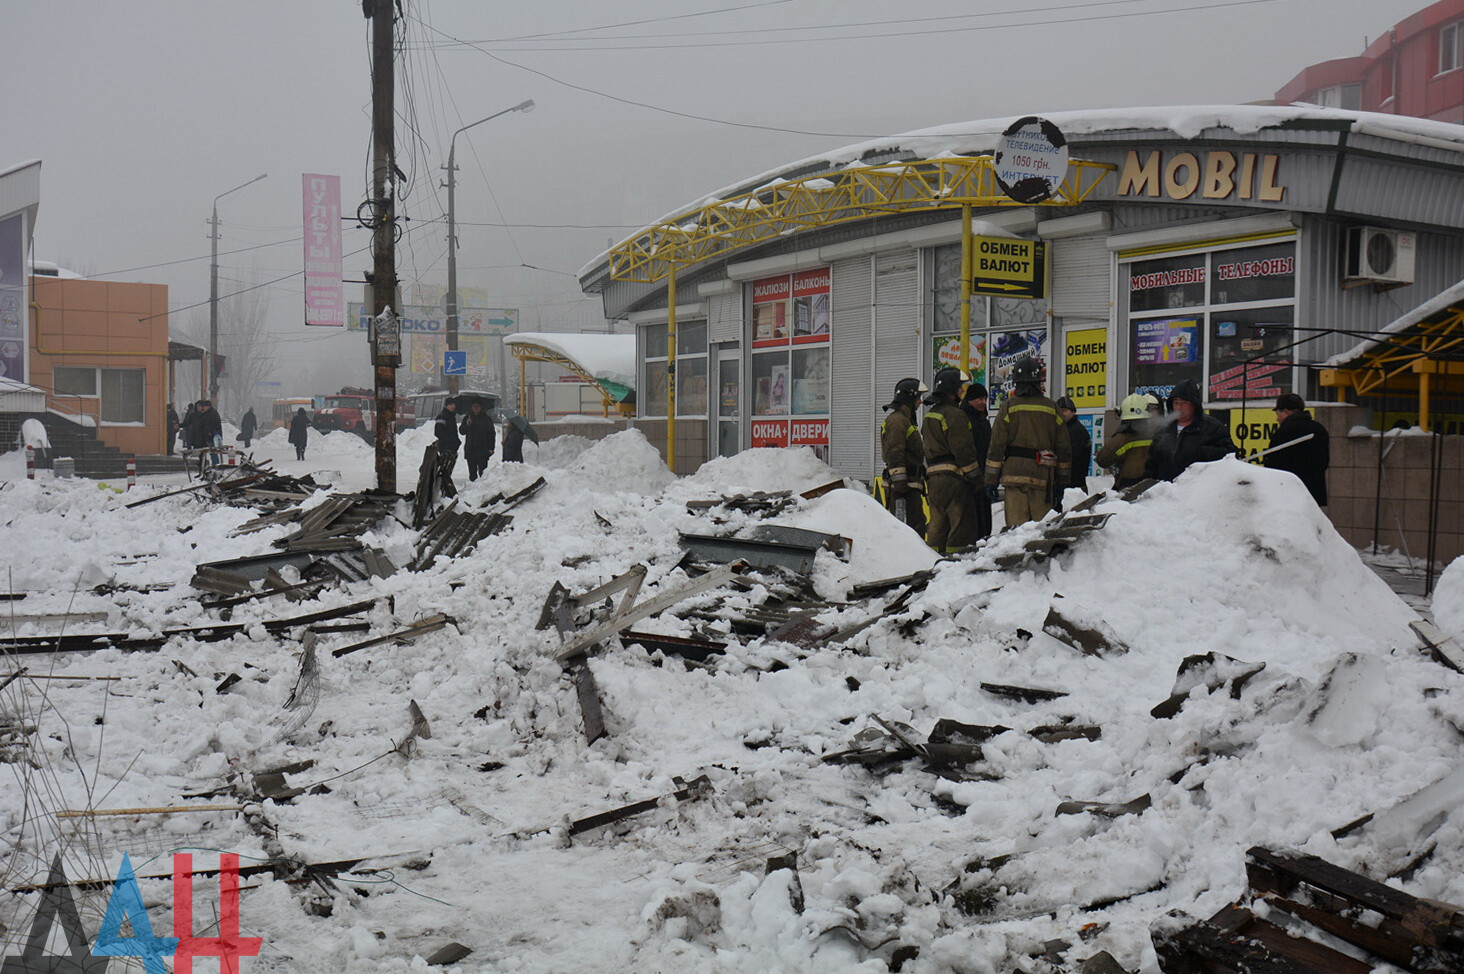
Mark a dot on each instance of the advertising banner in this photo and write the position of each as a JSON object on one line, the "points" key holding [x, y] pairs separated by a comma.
{"points": [[1008, 267], [770, 299], [769, 432], [948, 355], [1256, 380], [809, 432], [811, 296], [416, 318], [1167, 341], [12, 298], [324, 300], [1006, 348], [1085, 364]]}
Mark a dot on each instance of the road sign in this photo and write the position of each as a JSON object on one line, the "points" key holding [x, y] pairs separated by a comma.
{"points": [[455, 362], [1009, 267], [1031, 160]]}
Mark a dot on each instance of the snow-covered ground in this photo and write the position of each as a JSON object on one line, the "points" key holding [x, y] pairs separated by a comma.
{"points": [[467, 831]]}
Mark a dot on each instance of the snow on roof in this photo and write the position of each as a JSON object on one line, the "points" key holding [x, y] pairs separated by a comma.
{"points": [[49, 268], [1184, 121], [610, 357], [1450, 296]]}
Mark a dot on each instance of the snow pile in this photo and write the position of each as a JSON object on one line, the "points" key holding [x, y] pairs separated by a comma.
{"points": [[1448, 600], [973, 872]]}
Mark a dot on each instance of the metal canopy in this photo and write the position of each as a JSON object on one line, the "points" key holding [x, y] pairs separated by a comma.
{"points": [[609, 398], [1424, 359], [853, 193]]}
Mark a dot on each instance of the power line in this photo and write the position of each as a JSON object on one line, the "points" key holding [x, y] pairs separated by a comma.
{"points": [[649, 20], [185, 260]]}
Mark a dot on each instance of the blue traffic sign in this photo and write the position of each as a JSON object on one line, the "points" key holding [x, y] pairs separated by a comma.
{"points": [[455, 363]]}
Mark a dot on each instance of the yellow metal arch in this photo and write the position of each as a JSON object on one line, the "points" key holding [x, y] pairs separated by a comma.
{"points": [[538, 353], [853, 193], [1412, 361]]}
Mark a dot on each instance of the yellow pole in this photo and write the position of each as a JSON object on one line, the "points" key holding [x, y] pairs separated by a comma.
{"points": [[671, 369], [1423, 398], [966, 271]]}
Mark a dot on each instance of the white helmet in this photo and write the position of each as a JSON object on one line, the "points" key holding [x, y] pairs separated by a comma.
{"points": [[1135, 406]]}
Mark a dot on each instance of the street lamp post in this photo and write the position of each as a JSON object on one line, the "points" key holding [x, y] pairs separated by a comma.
{"points": [[452, 287], [213, 293]]}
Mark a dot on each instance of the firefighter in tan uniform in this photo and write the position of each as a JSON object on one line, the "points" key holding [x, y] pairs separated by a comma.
{"points": [[904, 457], [952, 464], [1127, 451], [1031, 452]]}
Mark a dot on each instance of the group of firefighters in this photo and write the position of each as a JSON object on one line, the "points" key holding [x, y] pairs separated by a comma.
{"points": [[958, 462]]}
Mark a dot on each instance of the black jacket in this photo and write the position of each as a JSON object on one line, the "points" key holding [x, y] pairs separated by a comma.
{"points": [[1082, 453], [204, 427], [299, 428], [248, 425], [1174, 449], [446, 429], [1307, 460], [478, 436], [980, 431]]}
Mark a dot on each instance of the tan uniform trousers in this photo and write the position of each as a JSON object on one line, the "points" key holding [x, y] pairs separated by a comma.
{"points": [[950, 512], [1025, 504]]}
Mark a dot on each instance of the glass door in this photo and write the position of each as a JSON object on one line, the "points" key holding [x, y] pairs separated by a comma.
{"points": [[728, 427]]}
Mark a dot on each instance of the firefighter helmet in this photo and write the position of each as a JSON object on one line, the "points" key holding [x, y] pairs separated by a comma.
{"points": [[908, 392], [1135, 406], [1027, 369], [948, 381]]}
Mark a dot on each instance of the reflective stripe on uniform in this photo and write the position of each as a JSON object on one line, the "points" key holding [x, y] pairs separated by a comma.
{"points": [[1130, 445], [944, 468], [938, 418], [1031, 408]]}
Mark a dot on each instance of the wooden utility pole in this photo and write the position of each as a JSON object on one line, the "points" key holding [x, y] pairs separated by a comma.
{"points": [[385, 347]]}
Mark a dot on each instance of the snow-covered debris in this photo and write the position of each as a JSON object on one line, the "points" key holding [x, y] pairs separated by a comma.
{"points": [[967, 871]]}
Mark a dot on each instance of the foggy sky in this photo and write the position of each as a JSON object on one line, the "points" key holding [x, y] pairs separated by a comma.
{"points": [[142, 113]]}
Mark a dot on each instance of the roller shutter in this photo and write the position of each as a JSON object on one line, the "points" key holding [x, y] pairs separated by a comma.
{"points": [[851, 425], [1082, 277]]}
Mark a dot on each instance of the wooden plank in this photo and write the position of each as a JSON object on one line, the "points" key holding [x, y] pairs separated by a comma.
{"points": [[1234, 941], [1440, 645], [1025, 694], [588, 693], [650, 607]]}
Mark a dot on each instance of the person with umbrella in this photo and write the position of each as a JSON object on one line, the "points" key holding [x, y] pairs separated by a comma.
{"points": [[514, 432]]}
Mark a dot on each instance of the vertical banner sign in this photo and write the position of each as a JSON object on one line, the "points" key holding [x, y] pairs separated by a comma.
{"points": [[324, 303], [1085, 364], [12, 298]]}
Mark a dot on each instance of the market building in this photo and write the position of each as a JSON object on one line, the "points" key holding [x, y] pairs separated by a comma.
{"points": [[1245, 247]]}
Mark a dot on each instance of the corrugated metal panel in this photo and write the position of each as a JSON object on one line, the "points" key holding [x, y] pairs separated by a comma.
{"points": [[852, 426], [1389, 190], [724, 317], [1324, 303], [1131, 217], [1082, 277], [897, 313]]}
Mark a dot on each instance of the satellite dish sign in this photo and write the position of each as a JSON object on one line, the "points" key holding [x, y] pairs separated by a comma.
{"points": [[1031, 160]]}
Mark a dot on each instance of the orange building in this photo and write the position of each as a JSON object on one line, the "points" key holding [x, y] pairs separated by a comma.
{"points": [[100, 350]]}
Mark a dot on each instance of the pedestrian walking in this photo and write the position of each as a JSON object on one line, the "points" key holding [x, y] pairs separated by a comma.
{"points": [[479, 436], [1031, 452], [975, 405], [1080, 444], [448, 443], [1126, 452], [1190, 437], [904, 457], [1308, 460], [299, 432], [185, 425], [514, 432], [951, 467], [173, 423], [247, 426], [208, 429]]}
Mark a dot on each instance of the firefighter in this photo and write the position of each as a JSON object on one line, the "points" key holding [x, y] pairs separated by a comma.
{"points": [[1127, 451], [904, 459], [950, 455], [1031, 453]]}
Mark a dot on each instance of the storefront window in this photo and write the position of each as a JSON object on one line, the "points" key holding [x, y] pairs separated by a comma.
{"points": [[770, 384], [1166, 351], [1174, 282], [692, 396], [1253, 274], [791, 360], [1244, 359]]}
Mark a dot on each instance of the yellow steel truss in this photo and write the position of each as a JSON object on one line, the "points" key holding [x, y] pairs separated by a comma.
{"points": [[538, 353], [853, 193], [1397, 364]]}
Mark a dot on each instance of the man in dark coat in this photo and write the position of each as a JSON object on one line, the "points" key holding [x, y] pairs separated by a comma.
{"points": [[1190, 437], [208, 429], [448, 443], [299, 432], [185, 425], [1307, 460], [478, 438], [975, 406], [514, 432], [247, 426], [1082, 446], [173, 424]]}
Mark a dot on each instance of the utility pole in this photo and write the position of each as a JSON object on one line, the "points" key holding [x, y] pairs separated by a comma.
{"points": [[383, 240], [452, 287], [211, 376]]}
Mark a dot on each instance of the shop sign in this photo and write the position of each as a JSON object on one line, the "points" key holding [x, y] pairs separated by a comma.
{"points": [[1251, 429], [769, 432], [1031, 160], [1216, 175], [1085, 364], [1168, 341], [809, 432], [1254, 381], [811, 296], [1008, 266], [948, 355]]}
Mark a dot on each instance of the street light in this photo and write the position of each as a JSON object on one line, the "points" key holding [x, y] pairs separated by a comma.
{"points": [[452, 288], [213, 294]]}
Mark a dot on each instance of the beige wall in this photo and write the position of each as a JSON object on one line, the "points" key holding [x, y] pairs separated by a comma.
{"points": [[691, 441], [104, 324]]}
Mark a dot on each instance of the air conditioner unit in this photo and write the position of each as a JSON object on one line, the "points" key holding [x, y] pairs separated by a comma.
{"points": [[1376, 255]]}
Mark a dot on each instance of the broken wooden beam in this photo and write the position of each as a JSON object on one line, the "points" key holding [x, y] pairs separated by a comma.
{"points": [[1106, 809], [665, 600], [421, 627], [1235, 941], [1440, 645], [1025, 694], [696, 650], [587, 691], [688, 791], [1213, 671], [1086, 640]]}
